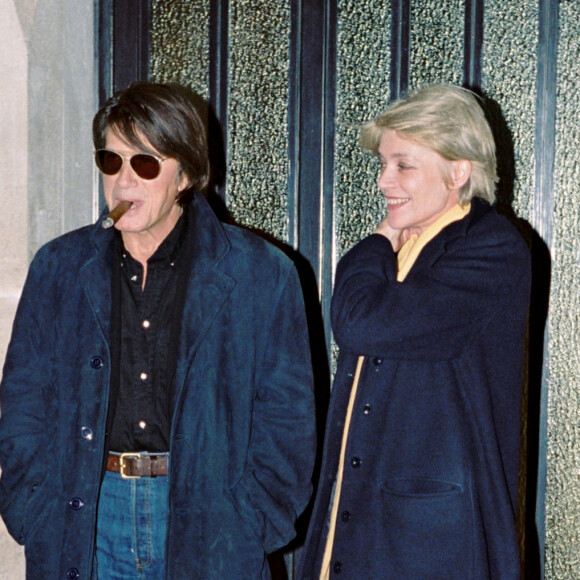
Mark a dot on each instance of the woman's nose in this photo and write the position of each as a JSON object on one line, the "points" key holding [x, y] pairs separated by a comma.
{"points": [[385, 177]]}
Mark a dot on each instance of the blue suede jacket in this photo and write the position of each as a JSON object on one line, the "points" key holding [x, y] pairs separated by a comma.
{"points": [[242, 441]]}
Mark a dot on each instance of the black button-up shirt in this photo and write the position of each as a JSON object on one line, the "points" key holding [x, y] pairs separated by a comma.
{"points": [[142, 419]]}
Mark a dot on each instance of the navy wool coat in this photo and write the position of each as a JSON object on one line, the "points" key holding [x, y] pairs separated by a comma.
{"points": [[242, 439], [431, 465]]}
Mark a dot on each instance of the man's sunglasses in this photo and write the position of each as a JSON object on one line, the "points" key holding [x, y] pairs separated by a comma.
{"points": [[145, 165]]}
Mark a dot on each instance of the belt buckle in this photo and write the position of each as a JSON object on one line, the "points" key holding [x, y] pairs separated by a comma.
{"points": [[122, 465]]}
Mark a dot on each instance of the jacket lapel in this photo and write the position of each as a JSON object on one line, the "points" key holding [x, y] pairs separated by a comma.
{"points": [[208, 285], [438, 245], [95, 277]]}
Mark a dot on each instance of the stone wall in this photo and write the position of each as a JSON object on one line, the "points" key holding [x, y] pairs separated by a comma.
{"points": [[47, 100]]}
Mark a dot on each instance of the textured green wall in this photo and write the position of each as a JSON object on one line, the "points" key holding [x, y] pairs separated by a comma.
{"points": [[362, 92], [509, 77], [180, 43], [258, 125], [436, 53], [563, 477], [257, 166]]}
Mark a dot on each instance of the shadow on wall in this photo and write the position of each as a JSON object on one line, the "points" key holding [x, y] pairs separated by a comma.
{"points": [[532, 384]]}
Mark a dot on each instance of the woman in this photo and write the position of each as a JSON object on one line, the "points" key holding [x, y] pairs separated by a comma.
{"points": [[419, 476]]}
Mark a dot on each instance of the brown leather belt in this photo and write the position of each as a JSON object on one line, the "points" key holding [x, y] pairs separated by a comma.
{"points": [[134, 465]]}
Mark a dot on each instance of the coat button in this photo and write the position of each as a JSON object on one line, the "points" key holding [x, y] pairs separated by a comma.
{"points": [[377, 361], [337, 567], [72, 574], [97, 362], [367, 409], [76, 504], [355, 462], [345, 516], [87, 433]]}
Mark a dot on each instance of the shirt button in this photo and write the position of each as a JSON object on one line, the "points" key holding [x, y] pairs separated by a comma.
{"points": [[146, 324], [76, 504], [345, 516], [377, 361], [337, 567], [87, 433], [72, 574], [143, 376], [142, 424], [367, 409], [355, 462]]}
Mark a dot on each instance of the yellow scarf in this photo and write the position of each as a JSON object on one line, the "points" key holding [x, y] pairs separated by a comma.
{"points": [[411, 249]]}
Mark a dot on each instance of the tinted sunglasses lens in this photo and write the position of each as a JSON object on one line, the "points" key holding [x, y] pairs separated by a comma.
{"points": [[108, 162], [146, 166]]}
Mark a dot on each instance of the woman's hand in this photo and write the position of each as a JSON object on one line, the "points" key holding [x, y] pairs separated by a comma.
{"points": [[396, 237]]}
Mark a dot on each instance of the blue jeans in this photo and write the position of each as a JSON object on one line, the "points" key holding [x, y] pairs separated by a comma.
{"points": [[132, 528]]}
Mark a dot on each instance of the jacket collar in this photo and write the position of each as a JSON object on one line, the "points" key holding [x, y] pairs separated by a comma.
{"points": [[479, 207], [95, 274], [458, 229]]}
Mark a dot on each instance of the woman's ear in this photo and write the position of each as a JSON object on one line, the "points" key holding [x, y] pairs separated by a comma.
{"points": [[460, 172]]}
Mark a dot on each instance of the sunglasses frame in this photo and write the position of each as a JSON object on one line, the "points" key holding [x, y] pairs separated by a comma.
{"points": [[130, 157]]}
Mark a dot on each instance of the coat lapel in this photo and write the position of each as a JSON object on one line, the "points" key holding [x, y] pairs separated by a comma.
{"points": [[438, 245], [208, 285], [95, 278]]}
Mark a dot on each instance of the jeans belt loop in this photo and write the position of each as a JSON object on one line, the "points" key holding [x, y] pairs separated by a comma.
{"points": [[154, 466]]}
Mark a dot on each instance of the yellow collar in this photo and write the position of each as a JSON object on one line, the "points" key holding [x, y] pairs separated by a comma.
{"points": [[411, 249]]}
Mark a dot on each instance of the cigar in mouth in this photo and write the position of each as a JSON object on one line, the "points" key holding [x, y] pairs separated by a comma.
{"points": [[117, 213]]}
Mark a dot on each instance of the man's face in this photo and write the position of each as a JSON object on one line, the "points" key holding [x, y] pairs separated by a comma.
{"points": [[155, 211]]}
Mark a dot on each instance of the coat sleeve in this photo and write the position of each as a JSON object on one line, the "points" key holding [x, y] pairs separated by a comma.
{"points": [[25, 480], [276, 485], [439, 307]]}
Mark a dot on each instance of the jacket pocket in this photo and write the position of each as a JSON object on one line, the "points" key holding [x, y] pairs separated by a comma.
{"points": [[421, 488], [36, 505], [428, 525]]}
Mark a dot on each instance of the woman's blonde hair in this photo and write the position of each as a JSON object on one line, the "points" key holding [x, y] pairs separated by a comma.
{"points": [[448, 120]]}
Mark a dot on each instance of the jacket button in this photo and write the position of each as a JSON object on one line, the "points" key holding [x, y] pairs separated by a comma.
{"points": [[377, 361], [355, 462], [87, 433], [72, 574], [367, 409], [345, 516], [97, 362], [76, 504], [337, 567]]}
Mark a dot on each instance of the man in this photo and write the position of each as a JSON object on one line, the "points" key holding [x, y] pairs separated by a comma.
{"points": [[157, 408]]}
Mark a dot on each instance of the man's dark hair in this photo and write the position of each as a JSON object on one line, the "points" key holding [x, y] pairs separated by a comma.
{"points": [[167, 116]]}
